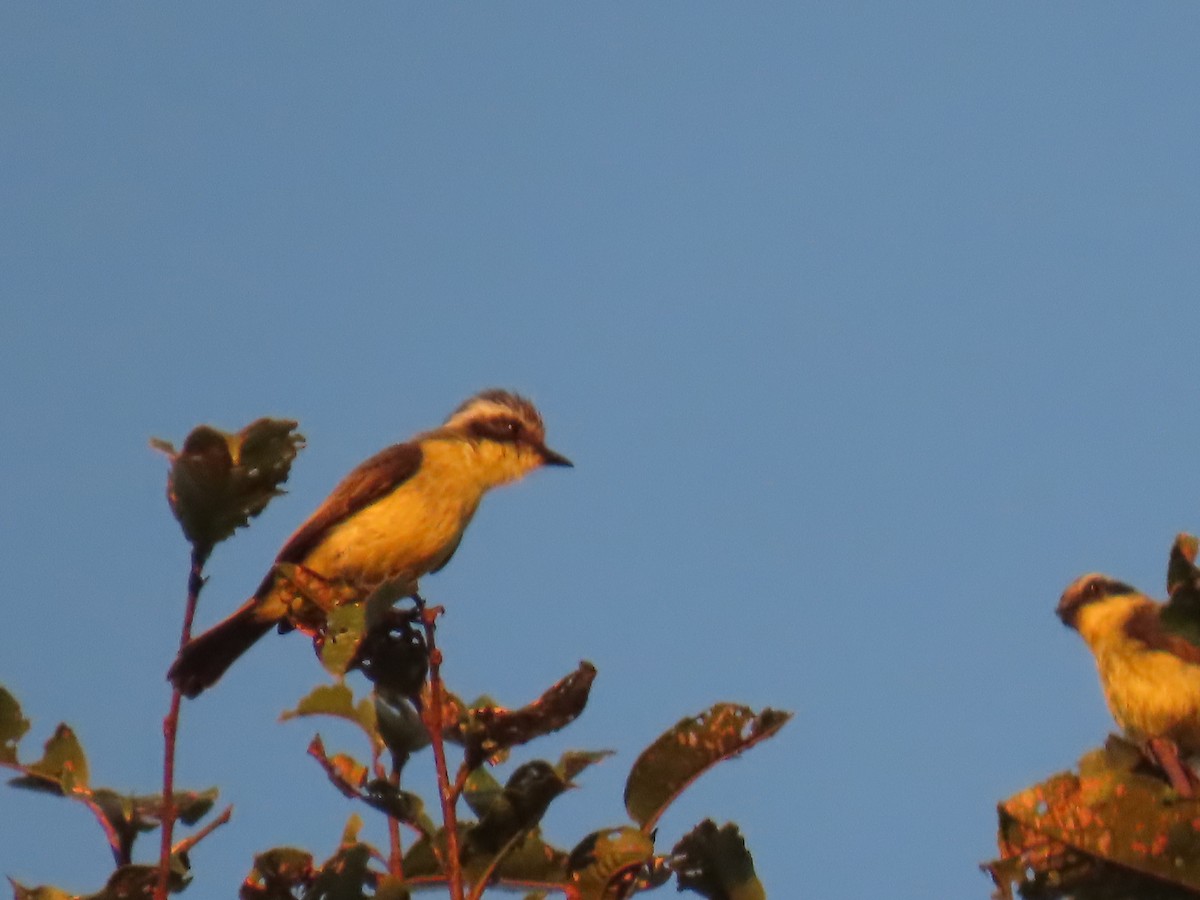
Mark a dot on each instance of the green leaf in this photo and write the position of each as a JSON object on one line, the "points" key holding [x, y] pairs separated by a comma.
{"points": [[139, 881], [520, 806], [573, 762], [488, 731], [63, 767], [533, 861], [611, 863], [344, 875], [13, 726], [344, 630], [715, 863], [683, 753], [219, 481], [336, 700]]}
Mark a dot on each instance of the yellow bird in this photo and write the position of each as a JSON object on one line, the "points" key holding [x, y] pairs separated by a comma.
{"points": [[395, 517], [1150, 676]]}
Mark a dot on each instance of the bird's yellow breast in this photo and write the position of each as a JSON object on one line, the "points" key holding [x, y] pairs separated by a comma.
{"points": [[1151, 693], [410, 531]]}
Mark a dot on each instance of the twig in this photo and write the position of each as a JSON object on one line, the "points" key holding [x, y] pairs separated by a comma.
{"points": [[193, 839], [435, 725], [171, 726], [482, 882]]}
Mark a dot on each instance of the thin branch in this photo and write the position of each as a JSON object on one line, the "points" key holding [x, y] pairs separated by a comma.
{"points": [[171, 726], [435, 724], [193, 839]]}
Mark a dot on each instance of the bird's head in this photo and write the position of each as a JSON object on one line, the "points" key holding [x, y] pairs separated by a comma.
{"points": [[507, 433], [1086, 590]]}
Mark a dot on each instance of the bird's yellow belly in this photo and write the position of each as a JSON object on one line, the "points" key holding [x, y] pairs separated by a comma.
{"points": [[1153, 694], [393, 541]]}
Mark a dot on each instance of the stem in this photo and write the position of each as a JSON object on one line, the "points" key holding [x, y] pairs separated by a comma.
{"points": [[171, 727], [193, 839], [435, 724]]}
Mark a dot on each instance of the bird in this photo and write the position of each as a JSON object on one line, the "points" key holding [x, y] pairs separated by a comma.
{"points": [[1150, 676], [394, 518]]}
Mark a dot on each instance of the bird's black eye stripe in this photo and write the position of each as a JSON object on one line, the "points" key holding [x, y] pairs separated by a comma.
{"points": [[498, 429]]}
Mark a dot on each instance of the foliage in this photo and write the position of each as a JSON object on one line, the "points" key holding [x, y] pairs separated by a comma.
{"points": [[217, 483]]}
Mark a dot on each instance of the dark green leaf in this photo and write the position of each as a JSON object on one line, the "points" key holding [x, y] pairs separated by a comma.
{"points": [[520, 806], [1181, 615], [490, 730], [393, 654], [400, 726], [690, 748], [278, 874], [715, 863], [219, 481], [400, 805], [13, 726], [345, 875]]}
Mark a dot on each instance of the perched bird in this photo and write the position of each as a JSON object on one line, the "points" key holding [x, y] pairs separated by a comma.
{"points": [[1150, 676], [395, 517]]}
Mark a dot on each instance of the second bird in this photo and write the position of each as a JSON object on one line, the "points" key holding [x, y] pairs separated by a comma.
{"points": [[395, 517]]}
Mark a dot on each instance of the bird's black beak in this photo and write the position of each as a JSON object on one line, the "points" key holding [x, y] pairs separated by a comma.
{"points": [[550, 458], [1068, 608]]}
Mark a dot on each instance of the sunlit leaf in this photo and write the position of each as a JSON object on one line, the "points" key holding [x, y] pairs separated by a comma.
{"points": [[44, 892], [610, 864], [715, 863], [335, 700], [344, 631], [485, 732], [63, 767], [13, 726], [219, 480], [1108, 826], [345, 772], [687, 750]]}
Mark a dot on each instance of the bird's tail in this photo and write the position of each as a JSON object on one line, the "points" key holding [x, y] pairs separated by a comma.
{"points": [[204, 659]]}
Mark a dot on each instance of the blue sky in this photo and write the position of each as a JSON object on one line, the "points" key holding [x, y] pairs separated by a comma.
{"points": [[868, 327]]}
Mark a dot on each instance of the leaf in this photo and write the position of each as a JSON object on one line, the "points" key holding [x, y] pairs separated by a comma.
{"points": [[45, 892], [481, 791], [13, 726], [342, 636], [491, 730], [573, 762], [344, 875], [335, 700], [715, 863], [1108, 826], [219, 481], [393, 654], [611, 863], [533, 861], [276, 873], [1181, 614], [400, 805], [519, 807], [130, 815], [346, 773], [683, 753], [61, 770], [139, 881]]}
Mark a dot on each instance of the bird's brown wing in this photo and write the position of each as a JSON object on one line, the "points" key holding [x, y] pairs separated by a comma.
{"points": [[369, 481], [1145, 625]]}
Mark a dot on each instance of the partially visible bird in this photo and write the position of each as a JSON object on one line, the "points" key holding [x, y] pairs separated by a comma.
{"points": [[394, 518], [1150, 675]]}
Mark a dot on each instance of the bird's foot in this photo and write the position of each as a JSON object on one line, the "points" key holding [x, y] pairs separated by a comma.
{"points": [[1164, 753]]}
